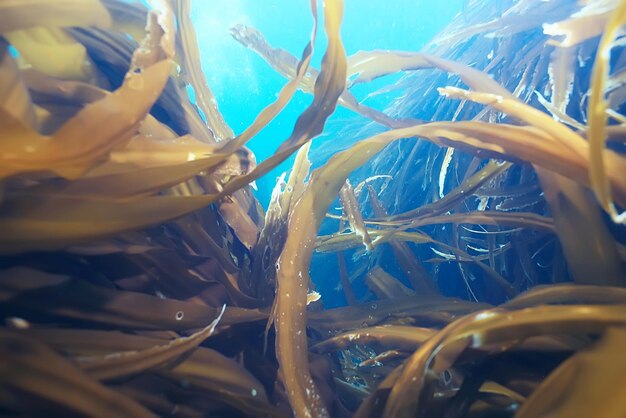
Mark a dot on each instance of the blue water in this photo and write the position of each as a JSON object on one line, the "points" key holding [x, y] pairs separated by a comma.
{"points": [[244, 83]]}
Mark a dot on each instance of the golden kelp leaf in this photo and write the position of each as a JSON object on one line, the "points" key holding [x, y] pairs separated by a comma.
{"points": [[391, 336], [68, 153], [76, 342], [133, 182], [51, 51], [124, 363], [353, 213], [30, 367], [418, 307], [411, 266], [589, 248], [596, 115], [384, 285], [570, 142], [590, 383], [53, 296], [494, 331], [220, 374], [23, 14]]}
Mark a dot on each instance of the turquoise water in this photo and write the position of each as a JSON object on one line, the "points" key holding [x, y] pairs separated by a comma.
{"points": [[244, 83]]}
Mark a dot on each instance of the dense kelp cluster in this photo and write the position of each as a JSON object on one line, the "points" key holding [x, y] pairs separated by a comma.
{"points": [[139, 276]]}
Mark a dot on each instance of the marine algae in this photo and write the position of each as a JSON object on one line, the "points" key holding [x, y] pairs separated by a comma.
{"points": [[140, 277]]}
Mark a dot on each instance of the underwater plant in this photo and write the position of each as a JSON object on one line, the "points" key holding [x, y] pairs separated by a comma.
{"points": [[478, 238]]}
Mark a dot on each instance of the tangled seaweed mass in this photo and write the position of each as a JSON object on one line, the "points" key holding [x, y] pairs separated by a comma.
{"points": [[139, 276]]}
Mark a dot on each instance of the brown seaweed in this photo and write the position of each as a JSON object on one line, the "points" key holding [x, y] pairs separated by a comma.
{"points": [[139, 276]]}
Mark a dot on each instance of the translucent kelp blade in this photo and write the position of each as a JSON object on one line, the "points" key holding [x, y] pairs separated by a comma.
{"points": [[285, 94], [612, 163], [190, 63], [346, 241], [125, 363], [384, 285], [590, 383], [224, 380], [596, 115], [494, 330], [390, 336], [450, 199], [285, 63], [416, 309], [353, 213], [22, 14], [48, 221], [483, 217], [292, 266], [408, 261], [225, 373], [31, 368], [369, 65], [590, 21], [589, 248], [51, 297]]}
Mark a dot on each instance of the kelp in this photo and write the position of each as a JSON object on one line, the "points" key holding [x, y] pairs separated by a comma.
{"points": [[596, 113], [128, 224], [353, 213], [55, 383]]}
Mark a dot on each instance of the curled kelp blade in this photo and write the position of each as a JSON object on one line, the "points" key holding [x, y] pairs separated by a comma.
{"points": [[32, 369], [599, 166], [590, 382], [92, 349], [369, 65], [498, 329], [124, 363]]}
